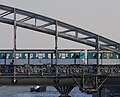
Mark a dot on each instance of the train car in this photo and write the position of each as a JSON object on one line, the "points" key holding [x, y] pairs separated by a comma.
{"points": [[105, 57], [41, 57]]}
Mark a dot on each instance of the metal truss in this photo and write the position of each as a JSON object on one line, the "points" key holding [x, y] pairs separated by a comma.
{"points": [[48, 25]]}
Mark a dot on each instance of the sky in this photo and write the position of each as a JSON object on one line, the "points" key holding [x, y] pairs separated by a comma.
{"points": [[98, 16]]}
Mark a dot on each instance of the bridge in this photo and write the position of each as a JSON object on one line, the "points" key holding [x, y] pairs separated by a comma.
{"points": [[90, 78]]}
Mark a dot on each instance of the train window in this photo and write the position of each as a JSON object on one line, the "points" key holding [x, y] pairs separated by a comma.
{"points": [[40, 55], [60, 55], [26, 56], [108, 55], [63, 55], [2, 56], [100, 55], [31, 56], [43, 55], [49, 56], [94, 55], [105, 55], [12, 55], [76, 55], [72, 55], [117, 56], [37, 56], [111, 55], [8, 56], [54, 56], [20, 55], [66, 55], [17, 55]]}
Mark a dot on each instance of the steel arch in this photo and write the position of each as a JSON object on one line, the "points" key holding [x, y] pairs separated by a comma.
{"points": [[65, 30]]}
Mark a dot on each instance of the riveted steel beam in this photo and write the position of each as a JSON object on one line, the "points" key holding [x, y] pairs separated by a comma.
{"points": [[84, 38]]}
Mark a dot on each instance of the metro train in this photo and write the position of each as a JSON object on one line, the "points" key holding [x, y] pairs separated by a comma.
{"points": [[41, 57], [38, 57]]}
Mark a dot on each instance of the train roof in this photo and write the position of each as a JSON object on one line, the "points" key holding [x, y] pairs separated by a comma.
{"points": [[40, 50], [51, 50]]}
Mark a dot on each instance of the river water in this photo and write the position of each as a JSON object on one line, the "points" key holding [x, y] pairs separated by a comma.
{"points": [[24, 91]]}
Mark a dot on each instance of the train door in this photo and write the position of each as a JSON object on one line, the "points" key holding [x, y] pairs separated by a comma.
{"points": [[81, 58], [92, 58], [8, 58], [32, 57]]}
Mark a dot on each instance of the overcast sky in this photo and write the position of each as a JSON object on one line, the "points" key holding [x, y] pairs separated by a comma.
{"points": [[98, 16]]}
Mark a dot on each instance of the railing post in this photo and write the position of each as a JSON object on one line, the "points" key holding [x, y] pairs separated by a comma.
{"points": [[97, 66], [56, 46], [14, 49], [98, 48], [56, 42]]}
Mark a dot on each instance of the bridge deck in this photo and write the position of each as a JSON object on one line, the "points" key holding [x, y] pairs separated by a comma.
{"points": [[66, 74]]}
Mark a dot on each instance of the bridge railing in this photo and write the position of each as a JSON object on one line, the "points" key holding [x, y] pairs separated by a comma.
{"points": [[61, 70]]}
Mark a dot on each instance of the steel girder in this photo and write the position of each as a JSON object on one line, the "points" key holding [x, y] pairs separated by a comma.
{"points": [[47, 26]]}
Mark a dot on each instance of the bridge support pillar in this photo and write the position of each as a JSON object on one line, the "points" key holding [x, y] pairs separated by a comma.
{"points": [[64, 90]]}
